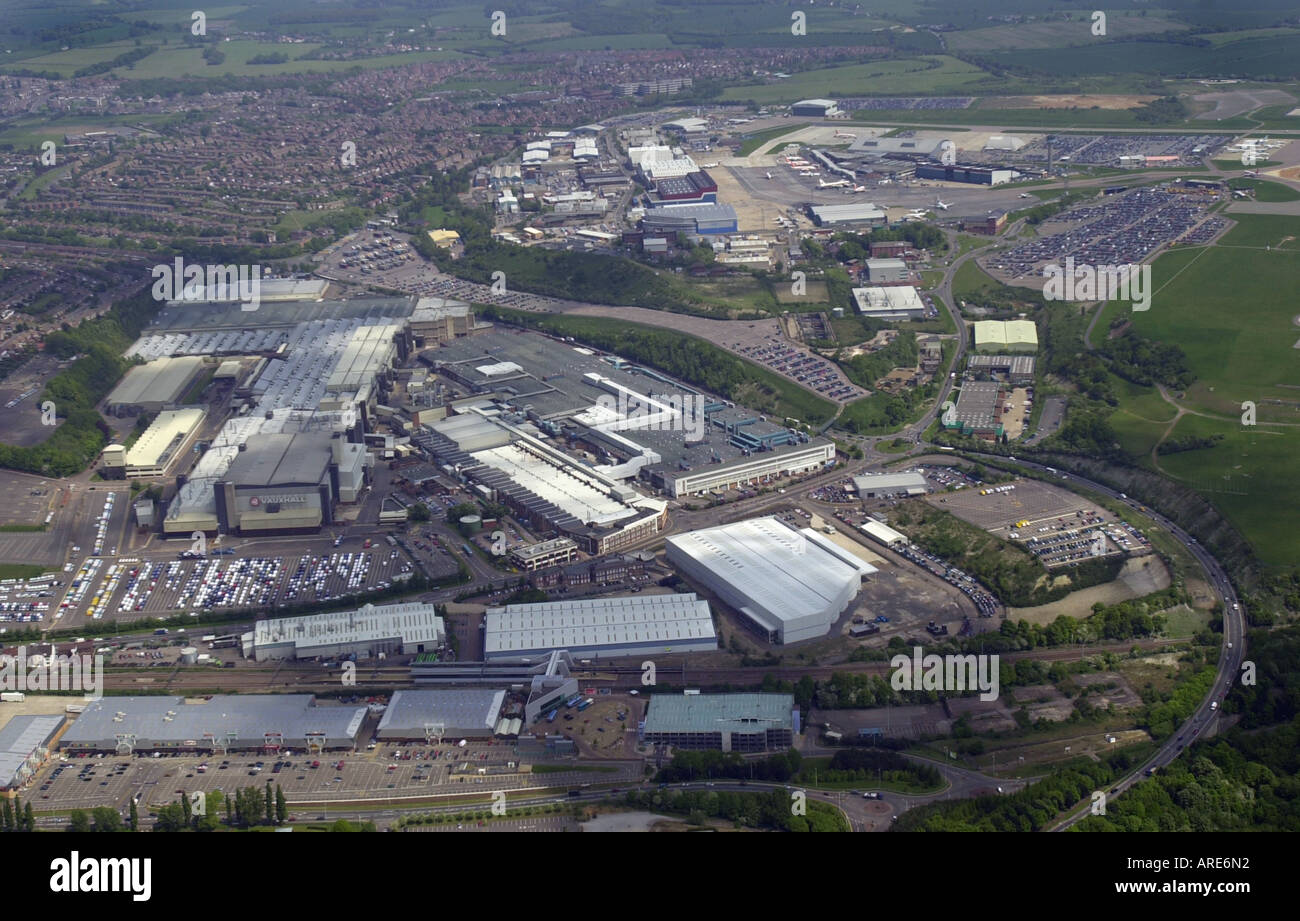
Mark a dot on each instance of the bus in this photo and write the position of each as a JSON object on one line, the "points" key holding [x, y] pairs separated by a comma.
{"points": [[573, 702], [550, 717], [585, 704]]}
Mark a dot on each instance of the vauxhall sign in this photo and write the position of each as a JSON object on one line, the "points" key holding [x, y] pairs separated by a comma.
{"points": [[280, 499]]}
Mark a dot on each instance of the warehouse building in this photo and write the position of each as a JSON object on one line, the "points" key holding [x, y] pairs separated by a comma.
{"points": [[1006, 336], [900, 302], [436, 320], [432, 714], [789, 585], [978, 411], [372, 630], [887, 271], [1014, 369], [155, 385], [825, 215], [24, 746], [222, 723], [815, 108], [698, 186], [722, 722], [889, 485], [600, 627], [884, 534], [169, 436]]}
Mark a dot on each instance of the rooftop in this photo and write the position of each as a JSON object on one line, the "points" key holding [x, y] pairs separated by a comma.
{"points": [[735, 713], [581, 622]]}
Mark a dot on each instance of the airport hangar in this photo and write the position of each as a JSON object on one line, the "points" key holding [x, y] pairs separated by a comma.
{"points": [[432, 714], [218, 724], [595, 628], [368, 632], [721, 722], [790, 585]]}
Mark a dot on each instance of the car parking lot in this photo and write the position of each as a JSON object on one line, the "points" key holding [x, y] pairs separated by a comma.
{"points": [[1117, 230], [812, 371], [390, 771], [132, 587]]}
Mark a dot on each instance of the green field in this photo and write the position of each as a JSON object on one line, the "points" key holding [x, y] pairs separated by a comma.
{"points": [[928, 74], [1230, 307]]}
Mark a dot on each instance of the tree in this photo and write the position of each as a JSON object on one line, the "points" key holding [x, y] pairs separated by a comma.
{"points": [[29, 819], [418, 512], [135, 816], [78, 821], [107, 818], [281, 805], [8, 816], [270, 805]]}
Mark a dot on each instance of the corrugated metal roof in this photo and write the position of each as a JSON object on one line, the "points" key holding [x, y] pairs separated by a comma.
{"points": [[19, 739], [467, 709], [587, 622], [739, 713]]}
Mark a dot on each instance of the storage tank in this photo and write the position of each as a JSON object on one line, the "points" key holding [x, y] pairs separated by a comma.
{"points": [[189, 655], [471, 524]]}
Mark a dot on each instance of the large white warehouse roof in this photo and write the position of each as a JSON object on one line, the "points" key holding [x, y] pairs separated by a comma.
{"points": [[792, 584], [600, 626]]}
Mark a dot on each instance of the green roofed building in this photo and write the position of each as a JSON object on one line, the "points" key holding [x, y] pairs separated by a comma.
{"points": [[1006, 336], [722, 722]]}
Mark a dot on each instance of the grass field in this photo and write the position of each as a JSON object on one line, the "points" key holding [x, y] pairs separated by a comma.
{"points": [[1265, 190], [1058, 33], [928, 74], [1230, 307]]}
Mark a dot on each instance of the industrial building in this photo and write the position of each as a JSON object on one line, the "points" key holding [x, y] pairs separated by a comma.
{"points": [[789, 585], [288, 482], [369, 631], [889, 485], [1006, 336], [855, 213], [600, 627], [551, 403], [219, 724], [169, 436], [432, 714], [978, 411], [24, 746], [722, 722], [435, 320], [815, 108], [698, 186], [977, 175], [702, 218], [549, 681], [887, 271], [1014, 369], [155, 385], [884, 534], [902, 302]]}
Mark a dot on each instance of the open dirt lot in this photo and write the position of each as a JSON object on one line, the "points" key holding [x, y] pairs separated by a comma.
{"points": [[1139, 576], [1070, 101]]}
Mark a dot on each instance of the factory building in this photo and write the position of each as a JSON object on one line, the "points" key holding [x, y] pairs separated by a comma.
{"points": [[286, 482], [693, 187], [600, 627], [751, 470], [436, 320], [721, 722], [1014, 369], [993, 336], [372, 630], [219, 724], [25, 743], [887, 271], [890, 485], [815, 108], [978, 411], [155, 385], [789, 585], [432, 714], [895, 303], [169, 436]]}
